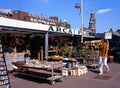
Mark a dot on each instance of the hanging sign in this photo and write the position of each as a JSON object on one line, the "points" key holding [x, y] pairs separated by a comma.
{"points": [[108, 35]]}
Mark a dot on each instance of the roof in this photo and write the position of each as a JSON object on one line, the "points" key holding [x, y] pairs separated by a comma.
{"points": [[117, 33]]}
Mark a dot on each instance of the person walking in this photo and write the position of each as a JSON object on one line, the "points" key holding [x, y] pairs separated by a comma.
{"points": [[103, 54]]}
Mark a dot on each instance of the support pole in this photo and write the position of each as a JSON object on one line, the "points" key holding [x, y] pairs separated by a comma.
{"points": [[82, 23], [46, 44]]}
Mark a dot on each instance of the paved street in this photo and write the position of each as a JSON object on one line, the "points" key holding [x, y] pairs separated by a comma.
{"points": [[85, 81]]}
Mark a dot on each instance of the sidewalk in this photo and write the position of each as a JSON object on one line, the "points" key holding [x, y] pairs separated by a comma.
{"points": [[88, 80]]}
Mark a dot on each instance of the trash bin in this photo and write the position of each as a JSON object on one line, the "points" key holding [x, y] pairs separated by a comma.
{"points": [[110, 59]]}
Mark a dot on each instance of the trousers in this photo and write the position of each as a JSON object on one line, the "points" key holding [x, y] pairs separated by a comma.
{"points": [[103, 62]]}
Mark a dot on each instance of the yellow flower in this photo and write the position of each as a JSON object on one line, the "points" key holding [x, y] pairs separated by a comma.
{"points": [[47, 57]]}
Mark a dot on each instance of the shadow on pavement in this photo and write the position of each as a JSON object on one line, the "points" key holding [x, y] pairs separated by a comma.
{"points": [[34, 79], [94, 70], [102, 77]]}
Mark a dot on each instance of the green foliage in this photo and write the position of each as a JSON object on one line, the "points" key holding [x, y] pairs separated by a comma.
{"points": [[82, 51], [66, 51]]}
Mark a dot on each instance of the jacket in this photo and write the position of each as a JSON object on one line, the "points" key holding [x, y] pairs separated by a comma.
{"points": [[103, 51]]}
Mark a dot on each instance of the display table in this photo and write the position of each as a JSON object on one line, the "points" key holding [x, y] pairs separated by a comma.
{"points": [[26, 69]]}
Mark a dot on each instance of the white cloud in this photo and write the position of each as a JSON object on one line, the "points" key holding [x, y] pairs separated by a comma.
{"points": [[104, 10]]}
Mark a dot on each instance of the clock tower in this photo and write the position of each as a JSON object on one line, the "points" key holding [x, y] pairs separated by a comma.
{"points": [[92, 22]]}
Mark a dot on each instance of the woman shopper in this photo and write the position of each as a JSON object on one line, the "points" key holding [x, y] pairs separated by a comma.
{"points": [[103, 54]]}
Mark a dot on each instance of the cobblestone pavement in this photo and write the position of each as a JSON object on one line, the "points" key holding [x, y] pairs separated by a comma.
{"points": [[85, 81]]}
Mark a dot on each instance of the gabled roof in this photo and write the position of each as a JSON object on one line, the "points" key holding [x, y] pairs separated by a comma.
{"points": [[117, 32]]}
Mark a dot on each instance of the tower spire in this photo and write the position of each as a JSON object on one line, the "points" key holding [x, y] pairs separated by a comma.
{"points": [[92, 22]]}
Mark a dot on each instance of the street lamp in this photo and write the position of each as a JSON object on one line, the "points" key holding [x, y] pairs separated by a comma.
{"points": [[80, 6]]}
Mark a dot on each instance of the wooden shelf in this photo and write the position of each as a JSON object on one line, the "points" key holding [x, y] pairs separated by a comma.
{"points": [[41, 54]]}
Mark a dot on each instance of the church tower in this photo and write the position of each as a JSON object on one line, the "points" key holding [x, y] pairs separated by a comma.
{"points": [[92, 22]]}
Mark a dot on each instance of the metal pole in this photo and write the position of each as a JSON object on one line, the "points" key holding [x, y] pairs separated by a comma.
{"points": [[82, 23], [46, 44]]}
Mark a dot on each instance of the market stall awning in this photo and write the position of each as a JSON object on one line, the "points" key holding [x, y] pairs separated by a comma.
{"points": [[11, 25]]}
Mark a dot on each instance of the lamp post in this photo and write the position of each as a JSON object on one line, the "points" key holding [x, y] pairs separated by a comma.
{"points": [[80, 6]]}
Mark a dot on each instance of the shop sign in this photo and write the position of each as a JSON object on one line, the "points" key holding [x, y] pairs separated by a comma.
{"points": [[36, 26], [64, 30], [60, 29]]}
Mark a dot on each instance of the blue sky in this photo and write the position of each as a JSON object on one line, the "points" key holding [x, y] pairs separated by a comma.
{"points": [[107, 12]]}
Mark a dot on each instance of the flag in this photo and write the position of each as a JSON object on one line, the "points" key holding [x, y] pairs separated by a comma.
{"points": [[78, 6]]}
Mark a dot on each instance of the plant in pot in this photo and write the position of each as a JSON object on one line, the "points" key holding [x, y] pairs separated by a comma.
{"points": [[81, 52], [67, 51]]}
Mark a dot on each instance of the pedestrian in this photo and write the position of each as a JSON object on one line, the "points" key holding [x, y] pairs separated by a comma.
{"points": [[103, 54], [27, 54]]}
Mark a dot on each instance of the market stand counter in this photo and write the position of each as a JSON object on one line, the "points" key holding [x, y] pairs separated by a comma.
{"points": [[25, 68]]}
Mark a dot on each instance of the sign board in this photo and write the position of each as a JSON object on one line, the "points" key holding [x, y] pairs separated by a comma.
{"points": [[108, 35]]}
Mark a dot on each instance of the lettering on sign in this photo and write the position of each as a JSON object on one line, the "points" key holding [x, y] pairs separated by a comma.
{"points": [[60, 29]]}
